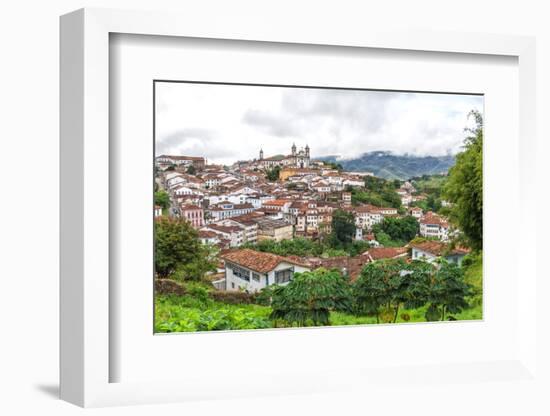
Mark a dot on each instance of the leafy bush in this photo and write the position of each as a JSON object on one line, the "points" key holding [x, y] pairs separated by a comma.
{"points": [[309, 298], [189, 314]]}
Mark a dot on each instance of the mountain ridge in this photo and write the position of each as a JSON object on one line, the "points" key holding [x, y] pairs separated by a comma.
{"points": [[388, 165]]}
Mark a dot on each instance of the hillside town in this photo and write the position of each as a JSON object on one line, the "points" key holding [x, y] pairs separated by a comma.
{"points": [[283, 197]]}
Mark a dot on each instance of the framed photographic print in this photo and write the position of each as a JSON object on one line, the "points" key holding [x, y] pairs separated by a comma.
{"points": [[291, 215]]}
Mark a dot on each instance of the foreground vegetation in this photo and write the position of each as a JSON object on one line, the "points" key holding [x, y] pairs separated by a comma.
{"points": [[323, 298]]}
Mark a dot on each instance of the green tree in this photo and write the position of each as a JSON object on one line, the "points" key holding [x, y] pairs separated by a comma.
{"points": [[403, 229], [178, 251], [464, 187], [383, 287], [343, 228], [162, 199], [380, 289], [309, 298], [273, 174], [448, 292], [191, 170]]}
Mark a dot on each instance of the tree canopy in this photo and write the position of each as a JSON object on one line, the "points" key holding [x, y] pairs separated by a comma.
{"points": [[178, 251], [464, 187], [162, 199], [343, 228], [401, 229], [310, 296], [273, 174], [384, 286]]}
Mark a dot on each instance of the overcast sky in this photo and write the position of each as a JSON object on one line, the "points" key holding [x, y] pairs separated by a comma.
{"points": [[226, 123]]}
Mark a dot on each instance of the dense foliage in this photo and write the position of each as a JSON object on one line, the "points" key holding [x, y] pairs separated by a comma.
{"points": [[384, 286], [178, 251], [162, 199], [399, 229], [343, 228], [415, 294], [447, 293], [304, 247], [464, 187], [273, 174], [192, 313], [378, 192], [308, 299]]}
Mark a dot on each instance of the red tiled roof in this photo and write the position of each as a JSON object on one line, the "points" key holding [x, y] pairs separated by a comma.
{"points": [[276, 202], [431, 218], [257, 260], [207, 234], [438, 248]]}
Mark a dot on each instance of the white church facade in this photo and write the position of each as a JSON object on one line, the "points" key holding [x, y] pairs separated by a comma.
{"points": [[297, 158]]}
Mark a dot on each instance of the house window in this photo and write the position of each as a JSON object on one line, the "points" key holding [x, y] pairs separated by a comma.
{"points": [[255, 277], [283, 276], [241, 273]]}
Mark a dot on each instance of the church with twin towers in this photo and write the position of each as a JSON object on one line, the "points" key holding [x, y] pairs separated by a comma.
{"points": [[296, 159]]}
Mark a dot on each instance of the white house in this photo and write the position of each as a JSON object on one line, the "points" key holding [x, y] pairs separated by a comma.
{"points": [[433, 225], [416, 212], [253, 270], [233, 234], [430, 251], [228, 210]]}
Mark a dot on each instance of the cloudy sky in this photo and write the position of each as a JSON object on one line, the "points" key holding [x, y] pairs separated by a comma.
{"points": [[226, 123]]}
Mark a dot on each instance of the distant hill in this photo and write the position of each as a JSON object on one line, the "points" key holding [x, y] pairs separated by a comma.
{"points": [[391, 166]]}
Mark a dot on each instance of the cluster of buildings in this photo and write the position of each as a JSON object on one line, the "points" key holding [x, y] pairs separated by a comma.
{"points": [[250, 270], [232, 206]]}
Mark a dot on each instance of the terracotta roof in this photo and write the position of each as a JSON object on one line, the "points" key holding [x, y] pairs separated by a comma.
{"points": [[228, 229], [438, 248], [431, 218], [276, 202], [207, 234], [378, 253], [257, 260]]}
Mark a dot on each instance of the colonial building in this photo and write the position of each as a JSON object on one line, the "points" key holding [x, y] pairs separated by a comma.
{"points": [[253, 270], [430, 251], [433, 225], [193, 214], [226, 210], [297, 158]]}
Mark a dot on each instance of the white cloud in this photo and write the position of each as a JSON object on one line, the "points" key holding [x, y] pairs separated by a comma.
{"points": [[229, 122]]}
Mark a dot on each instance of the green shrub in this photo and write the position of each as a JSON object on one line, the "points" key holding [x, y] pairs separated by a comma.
{"points": [[309, 298]]}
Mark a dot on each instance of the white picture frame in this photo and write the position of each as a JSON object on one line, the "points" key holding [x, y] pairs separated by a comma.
{"points": [[85, 218]]}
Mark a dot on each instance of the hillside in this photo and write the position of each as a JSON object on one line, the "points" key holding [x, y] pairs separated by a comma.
{"points": [[391, 166]]}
